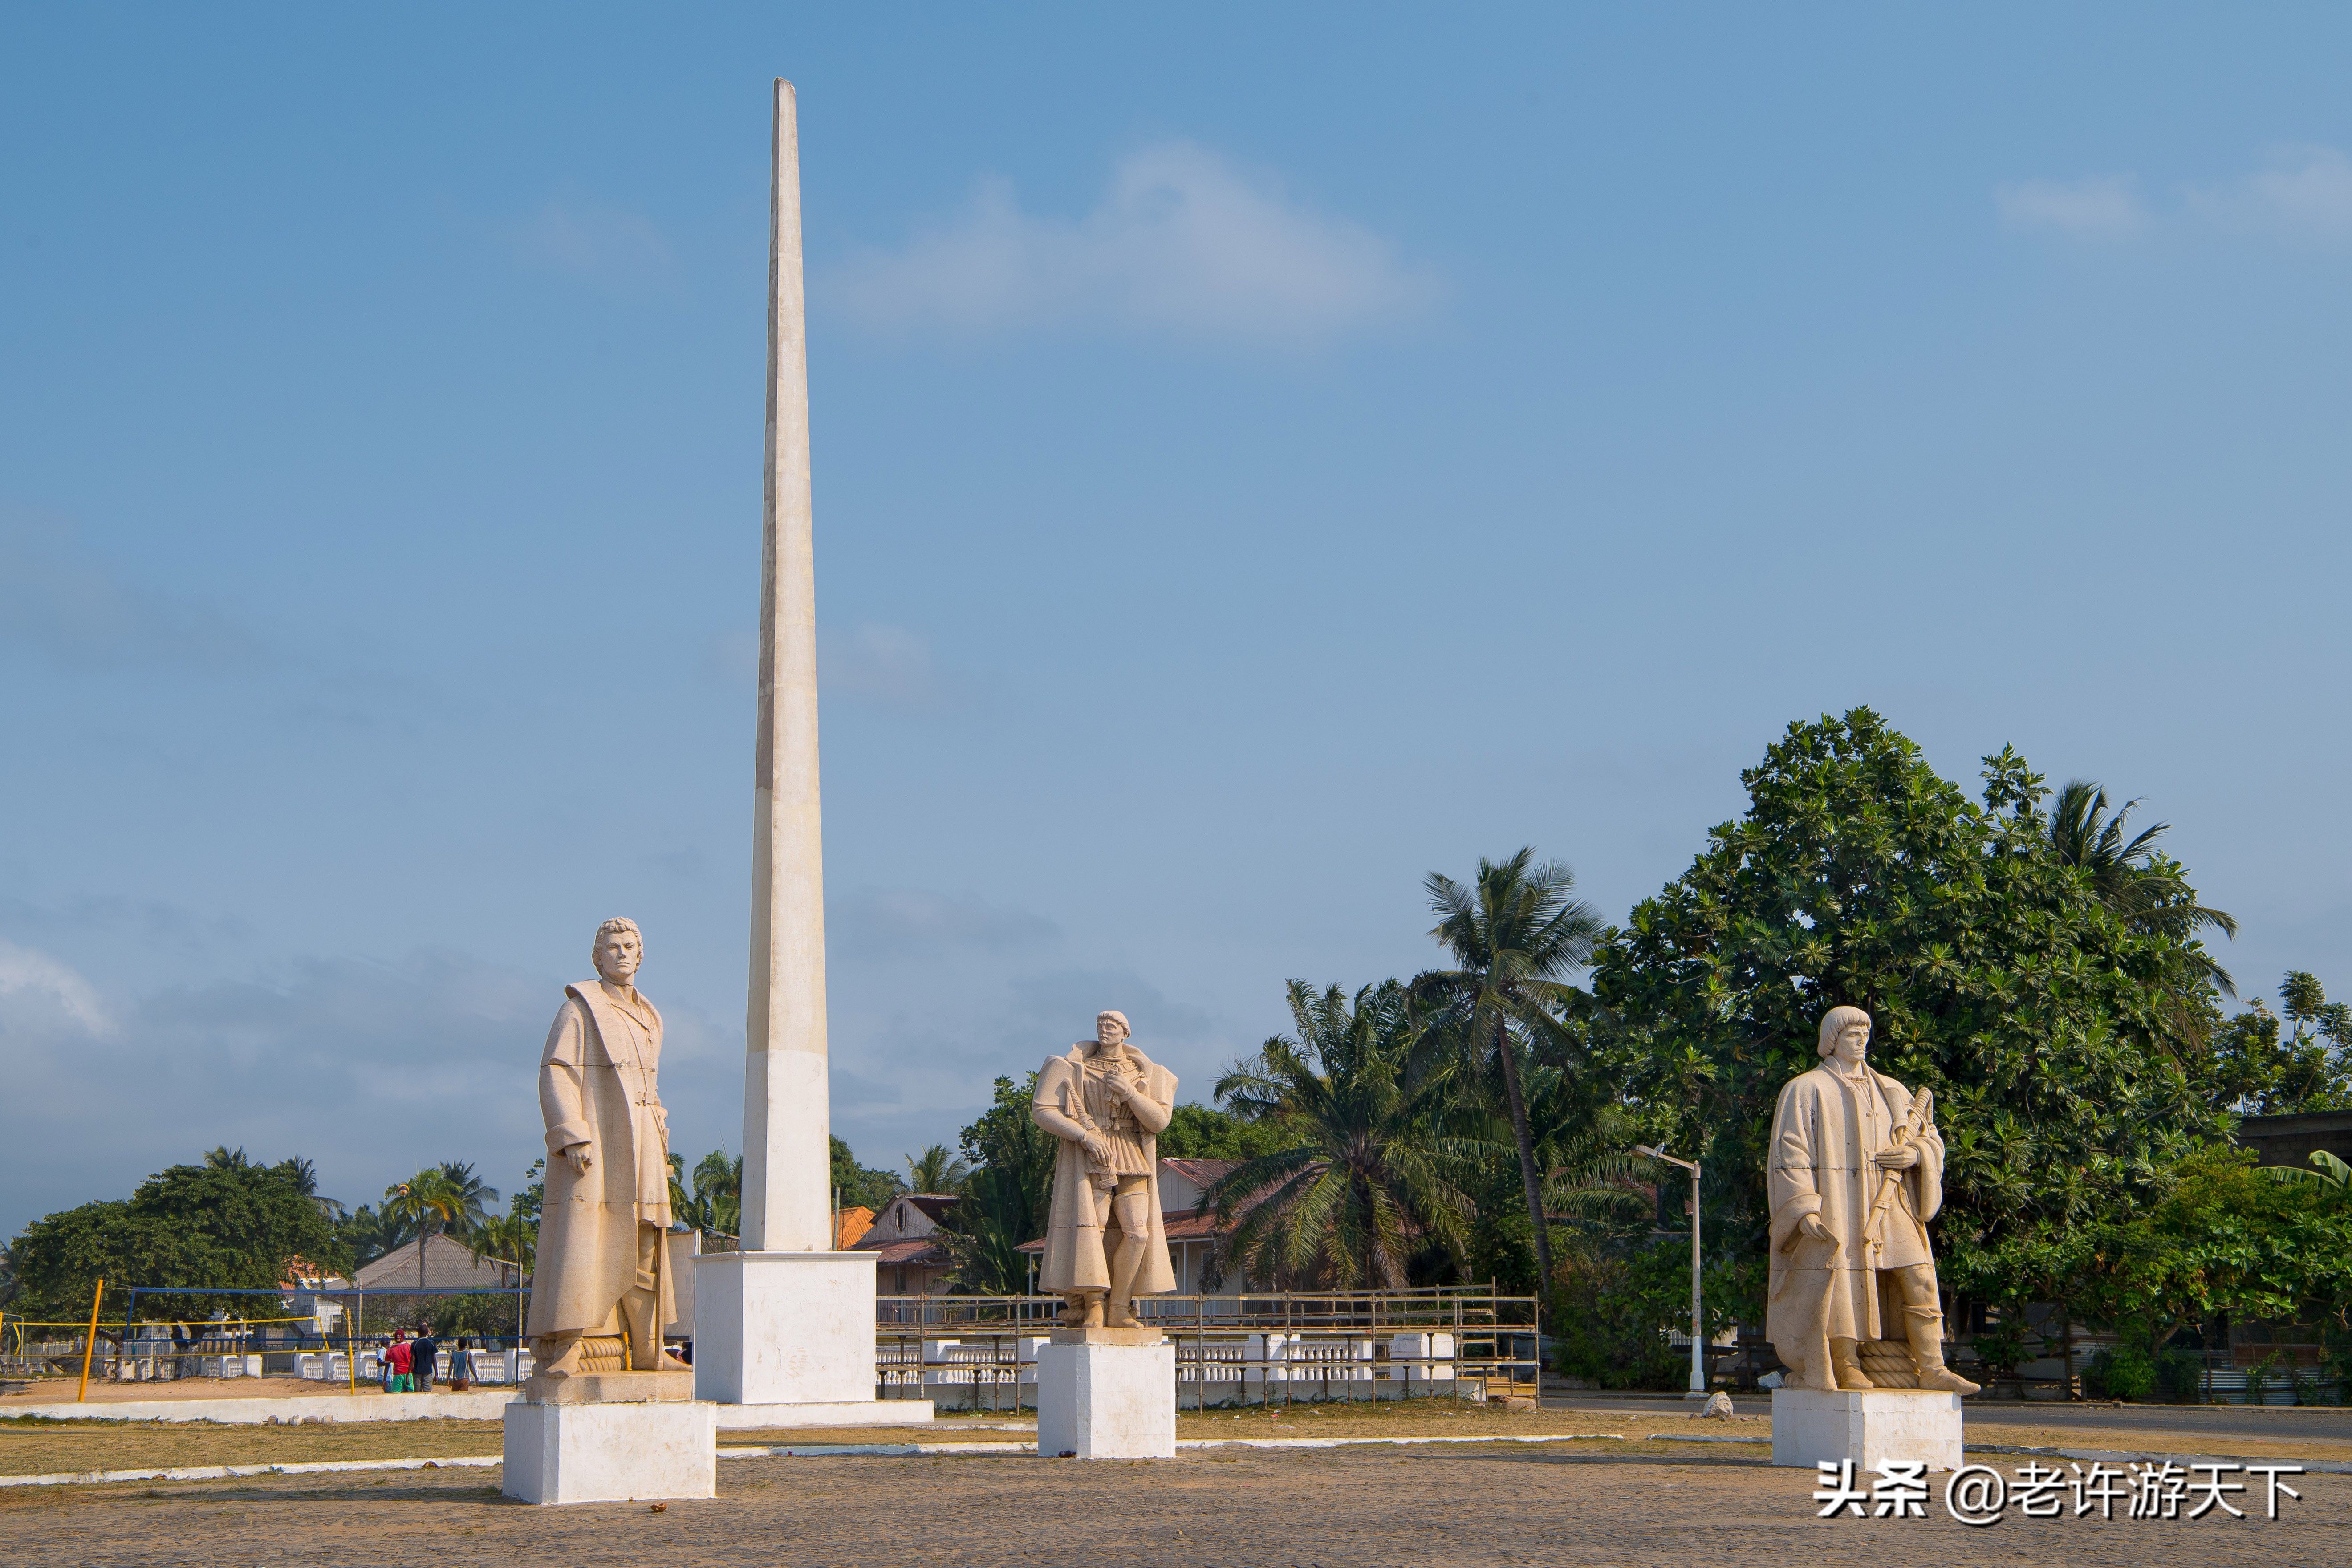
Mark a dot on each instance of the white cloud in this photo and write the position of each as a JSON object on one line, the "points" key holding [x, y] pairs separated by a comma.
{"points": [[37, 993], [1180, 242], [613, 247], [2106, 206], [2307, 191]]}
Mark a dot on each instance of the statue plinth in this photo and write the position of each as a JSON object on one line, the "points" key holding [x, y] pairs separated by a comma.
{"points": [[609, 1387], [1811, 1425], [642, 1450], [1107, 1337]]}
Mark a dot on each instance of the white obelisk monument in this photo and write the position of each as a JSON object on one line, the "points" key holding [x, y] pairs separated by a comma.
{"points": [[788, 1320]]}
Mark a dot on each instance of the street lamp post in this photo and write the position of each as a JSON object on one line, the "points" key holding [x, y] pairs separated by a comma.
{"points": [[1699, 1315]]}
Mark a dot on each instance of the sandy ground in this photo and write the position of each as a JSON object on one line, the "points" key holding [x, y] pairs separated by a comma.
{"points": [[47, 1447], [1433, 1508]]}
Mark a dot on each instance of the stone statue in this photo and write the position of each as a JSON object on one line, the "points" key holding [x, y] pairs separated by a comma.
{"points": [[1854, 1173], [601, 1254], [1105, 1244]]}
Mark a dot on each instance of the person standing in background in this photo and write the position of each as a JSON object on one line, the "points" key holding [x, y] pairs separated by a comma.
{"points": [[423, 1360]]}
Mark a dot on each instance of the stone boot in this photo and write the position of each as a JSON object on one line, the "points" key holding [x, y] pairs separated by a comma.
{"points": [[1927, 1356], [1847, 1365], [557, 1355], [647, 1352]]}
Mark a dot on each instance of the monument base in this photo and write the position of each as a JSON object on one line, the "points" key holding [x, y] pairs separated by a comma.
{"points": [[609, 1387], [1098, 1401], [785, 1328], [1107, 1337], [1813, 1424], [644, 1452]]}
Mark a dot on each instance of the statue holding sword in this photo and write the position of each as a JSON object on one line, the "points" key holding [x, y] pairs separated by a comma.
{"points": [[1853, 1174]]}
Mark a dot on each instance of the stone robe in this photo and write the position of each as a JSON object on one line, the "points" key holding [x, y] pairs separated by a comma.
{"points": [[1076, 1258], [1824, 1130], [597, 1086]]}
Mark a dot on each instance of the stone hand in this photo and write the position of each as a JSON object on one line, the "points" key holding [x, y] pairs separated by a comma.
{"points": [[1097, 1148], [581, 1156], [1813, 1226], [1898, 1159]]}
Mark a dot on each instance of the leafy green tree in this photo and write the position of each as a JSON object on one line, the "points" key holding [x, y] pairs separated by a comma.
{"points": [[191, 1228], [1516, 933], [2258, 1073], [2226, 1240], [1005, 1195], [1995, 974], [937, 1170], [1205, 1132], [714, 1204], [861, 1186], [1365, 1171]]}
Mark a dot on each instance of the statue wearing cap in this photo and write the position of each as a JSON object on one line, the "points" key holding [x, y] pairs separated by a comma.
{"points": [[1854, 1174], [1107, 1103]]}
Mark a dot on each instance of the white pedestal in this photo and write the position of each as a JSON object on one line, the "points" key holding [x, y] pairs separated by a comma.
{"points": [[785, 1328], [1810, 1424], [1106, 1402], [610, 1453]]}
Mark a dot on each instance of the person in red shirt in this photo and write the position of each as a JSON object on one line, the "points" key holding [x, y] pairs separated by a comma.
{"points": [[401, 1367]]}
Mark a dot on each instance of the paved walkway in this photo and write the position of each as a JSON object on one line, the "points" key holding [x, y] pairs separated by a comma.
{"points": [[1223, 1509]]}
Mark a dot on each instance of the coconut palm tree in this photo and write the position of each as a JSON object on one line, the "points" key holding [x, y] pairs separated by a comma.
{"points": [[1365, 1169], [511, 1238], [428, 1199], [1515, 933], [305, 1177], [471, 1195], [937, 1170], [2143, 887]]}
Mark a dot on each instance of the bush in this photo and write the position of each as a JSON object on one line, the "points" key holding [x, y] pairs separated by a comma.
{"points": [[2126, 1371]]}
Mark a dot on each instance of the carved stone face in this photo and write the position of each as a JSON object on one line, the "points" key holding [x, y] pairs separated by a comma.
{"points": [[1853, 1043], [1111, 1036], [617, 955]]}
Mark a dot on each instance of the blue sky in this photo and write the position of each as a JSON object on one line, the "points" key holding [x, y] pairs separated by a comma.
{"points": [[1262, 455]]}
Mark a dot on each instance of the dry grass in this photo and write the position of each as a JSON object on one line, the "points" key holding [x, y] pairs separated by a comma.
{"points": [[44, 1448]]}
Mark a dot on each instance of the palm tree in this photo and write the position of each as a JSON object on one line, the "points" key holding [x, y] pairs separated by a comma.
{"points": [[937, 1170], [305, 1177], [221, 1157], [1366, 1167], [372, 1235], [472, 1195], [425, 1197], [2144, 888], [1513, 934], [512, 1237], [718, 1191]]}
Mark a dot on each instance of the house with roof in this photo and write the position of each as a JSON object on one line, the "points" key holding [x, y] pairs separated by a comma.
{"points": [[906, 1233], [1192, 1236], [445, 1264]]}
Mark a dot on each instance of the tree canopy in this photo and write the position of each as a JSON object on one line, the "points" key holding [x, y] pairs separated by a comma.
{"points": [[218, 1226], [1995, 973]]}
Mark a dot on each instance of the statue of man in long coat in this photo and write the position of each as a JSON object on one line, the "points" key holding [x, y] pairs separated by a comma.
{"points": [[1853, 1177], [608, 1204], [1104, 1244]]}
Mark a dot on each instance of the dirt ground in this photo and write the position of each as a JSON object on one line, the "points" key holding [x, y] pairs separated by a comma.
{"points": [[44, 1448], [1434, 1508]]}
